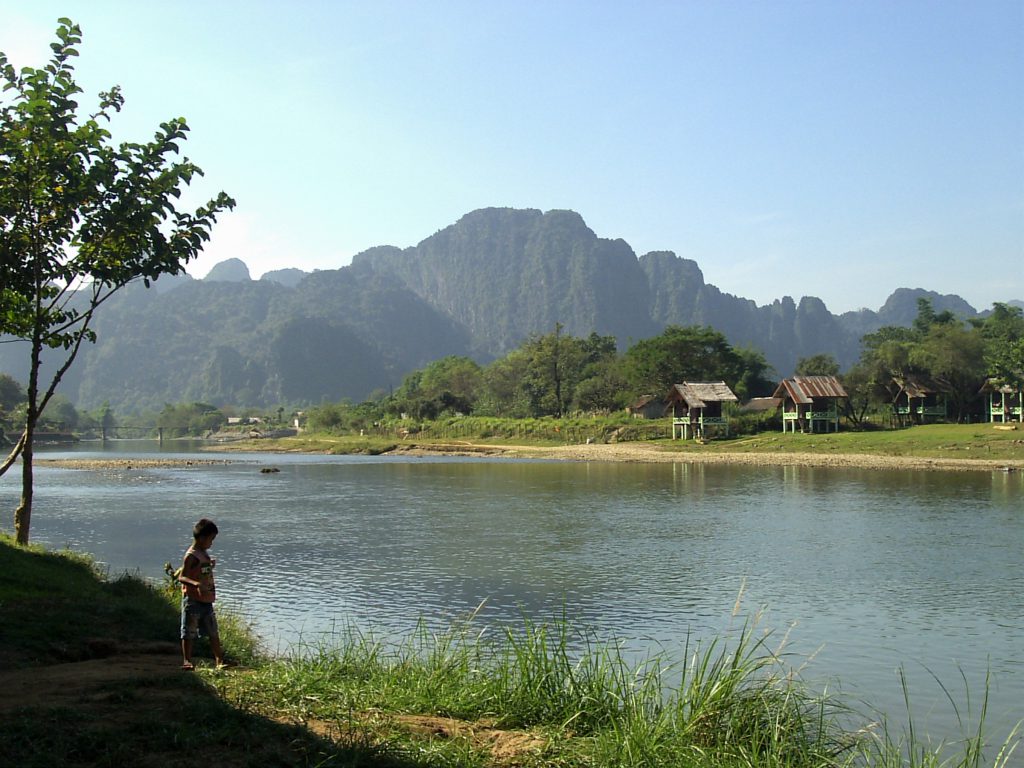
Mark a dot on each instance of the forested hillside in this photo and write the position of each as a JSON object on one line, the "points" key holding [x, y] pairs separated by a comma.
{"points": [[479, 288]]}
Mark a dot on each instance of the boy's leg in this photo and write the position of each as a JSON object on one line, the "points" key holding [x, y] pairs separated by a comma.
{"points": [[209, 629], [218, 652], [189, 630]]}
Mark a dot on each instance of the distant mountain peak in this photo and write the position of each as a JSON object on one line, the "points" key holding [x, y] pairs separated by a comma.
{"points": [[229, 271], [287, 277]]}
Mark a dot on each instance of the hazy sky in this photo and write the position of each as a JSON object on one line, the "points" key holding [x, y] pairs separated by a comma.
{"points": [[831, 148]]}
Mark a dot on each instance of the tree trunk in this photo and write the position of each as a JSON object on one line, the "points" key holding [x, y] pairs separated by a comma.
{"points": [[23, 514]]}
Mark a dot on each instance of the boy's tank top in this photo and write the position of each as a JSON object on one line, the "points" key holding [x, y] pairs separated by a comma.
{"points": [[202, 572]]}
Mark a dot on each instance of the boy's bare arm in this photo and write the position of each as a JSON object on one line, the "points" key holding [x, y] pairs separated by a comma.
{"points": [[190, 565]]}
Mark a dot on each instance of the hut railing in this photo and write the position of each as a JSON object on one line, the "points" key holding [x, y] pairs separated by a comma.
{"points": [[713, 420], [710, 420], [920, 410], [823, 415]]}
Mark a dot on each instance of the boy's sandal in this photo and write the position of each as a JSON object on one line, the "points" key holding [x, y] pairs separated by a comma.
{"points": [[188, 666]]}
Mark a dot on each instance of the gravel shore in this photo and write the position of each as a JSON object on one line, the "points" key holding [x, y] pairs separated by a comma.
{"points": [[646, 452], [126, 464], [638, 452]]}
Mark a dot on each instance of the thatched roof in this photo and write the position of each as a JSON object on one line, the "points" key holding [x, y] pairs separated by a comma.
{"points": [[995, 385], [804, 389], [697, 394], [916, 386], [758, 404], [643, 401]]}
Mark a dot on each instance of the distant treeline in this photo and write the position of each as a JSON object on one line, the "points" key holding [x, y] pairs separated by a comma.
{"points": [[558, 375]]}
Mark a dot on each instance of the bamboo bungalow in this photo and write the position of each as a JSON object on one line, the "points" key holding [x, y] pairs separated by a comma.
{"points": [[1003, 401], [697, 406], [918, 400], [648, 407], [810, 403]]}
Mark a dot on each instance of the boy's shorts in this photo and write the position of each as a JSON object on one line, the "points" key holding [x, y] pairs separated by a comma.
{"points": [[197, 619]]}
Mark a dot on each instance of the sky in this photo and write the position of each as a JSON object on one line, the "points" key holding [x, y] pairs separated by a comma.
{"points": [[821, 148]]}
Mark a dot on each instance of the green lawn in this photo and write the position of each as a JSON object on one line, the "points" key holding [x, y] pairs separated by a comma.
{"points": [[960, 441]]}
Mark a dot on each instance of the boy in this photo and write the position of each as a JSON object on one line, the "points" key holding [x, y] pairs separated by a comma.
{"points": [[198, 592]]}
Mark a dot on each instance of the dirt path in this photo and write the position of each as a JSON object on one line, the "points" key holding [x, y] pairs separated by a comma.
{"points": [[95, 690], [80, 683]]}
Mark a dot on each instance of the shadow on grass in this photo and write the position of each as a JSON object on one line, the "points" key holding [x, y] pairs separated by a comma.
{"points": [[173, 721]]}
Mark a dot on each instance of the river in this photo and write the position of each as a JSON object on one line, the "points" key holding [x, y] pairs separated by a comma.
{"points": [[865, 572]]}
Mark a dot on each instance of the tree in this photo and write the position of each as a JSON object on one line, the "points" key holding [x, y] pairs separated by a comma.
{"points": [[326, 417], [190, 419], [555, 367], [755, 372], [937, 346], [12, 394], [1003, 334], [552, 366], [60, 414], [682, 354], [863, 391], [817, 365], [927, 318], [453, 382], [953, 356], [80, 219], [503, 387]]}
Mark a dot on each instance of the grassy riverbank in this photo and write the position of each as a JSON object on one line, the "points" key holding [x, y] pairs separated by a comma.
{"points": [[91, 678]]}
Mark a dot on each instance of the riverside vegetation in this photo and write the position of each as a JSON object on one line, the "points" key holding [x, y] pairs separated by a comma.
{"points": [[979, 444], [92, 653]]}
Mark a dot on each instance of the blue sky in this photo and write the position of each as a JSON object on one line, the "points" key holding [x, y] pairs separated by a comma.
{"points": [[834, 149]]}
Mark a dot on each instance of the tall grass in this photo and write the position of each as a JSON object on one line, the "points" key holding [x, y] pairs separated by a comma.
{"points": [[727, 703], [906, 747]]}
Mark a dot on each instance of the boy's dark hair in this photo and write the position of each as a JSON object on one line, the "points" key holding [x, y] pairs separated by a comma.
{"points": [[204, 528]]}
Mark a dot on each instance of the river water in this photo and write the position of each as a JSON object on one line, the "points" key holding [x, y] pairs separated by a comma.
{"points": [[866, 573]]}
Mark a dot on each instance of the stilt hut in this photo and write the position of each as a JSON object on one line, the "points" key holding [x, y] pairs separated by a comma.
{"points": [[697, 405], [648, 407], [917, 400], [810, 403], [1003, 401]]}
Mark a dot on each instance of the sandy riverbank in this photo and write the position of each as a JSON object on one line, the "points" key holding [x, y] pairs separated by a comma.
{"points": [[634, 452], [126, 464], [647, 452]]}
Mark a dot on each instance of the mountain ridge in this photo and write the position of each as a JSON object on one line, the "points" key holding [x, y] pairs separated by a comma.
{"points": [[478, 287]]}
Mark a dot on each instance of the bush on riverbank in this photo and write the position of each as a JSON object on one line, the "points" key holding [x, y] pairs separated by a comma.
{"points": [[526, 696]]}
